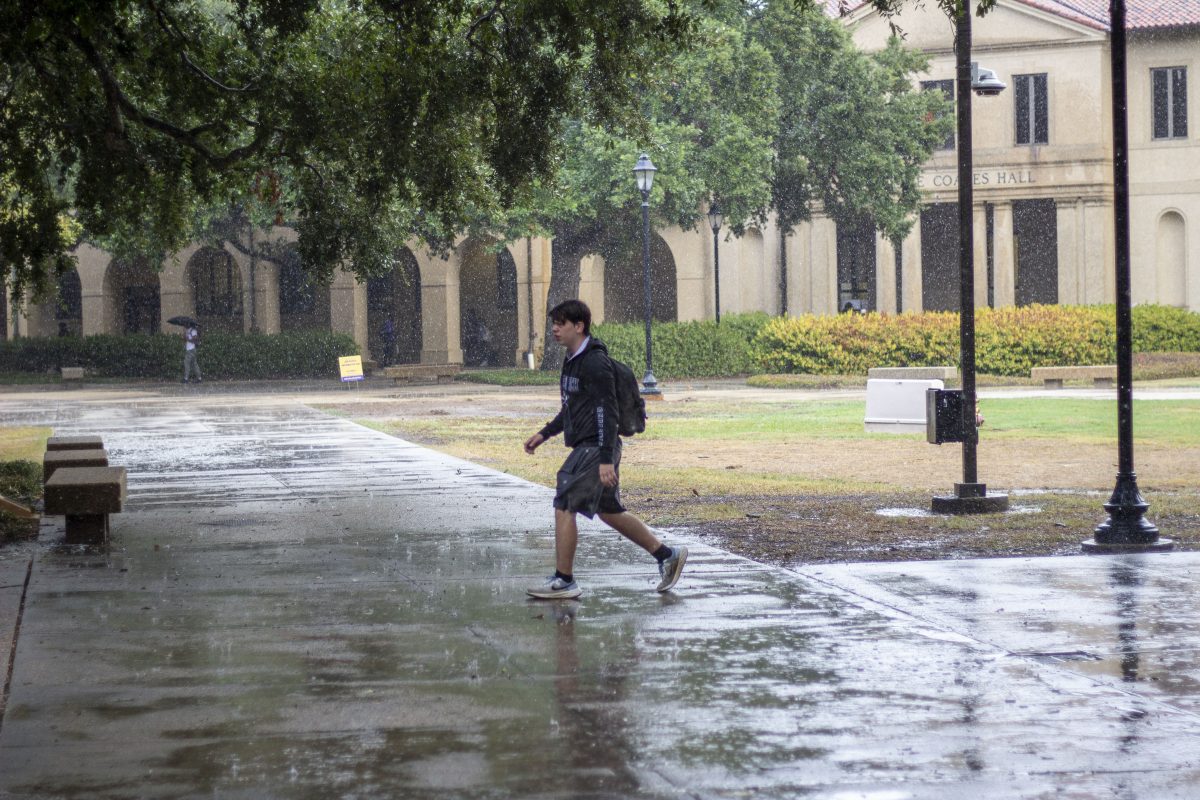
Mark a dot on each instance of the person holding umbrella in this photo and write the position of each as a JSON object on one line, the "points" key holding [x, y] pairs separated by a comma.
{"points": [[191, 343]]}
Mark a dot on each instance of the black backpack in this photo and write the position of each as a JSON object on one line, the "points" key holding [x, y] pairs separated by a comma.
{"points": [[631, 406]]}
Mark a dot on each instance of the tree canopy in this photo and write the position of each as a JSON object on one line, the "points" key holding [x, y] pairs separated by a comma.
{"points": [[373, 119], [774, 111]]}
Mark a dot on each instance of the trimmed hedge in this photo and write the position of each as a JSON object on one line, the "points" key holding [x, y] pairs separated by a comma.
{"points": [[1008, 341], [687, 349], [299, 354]]}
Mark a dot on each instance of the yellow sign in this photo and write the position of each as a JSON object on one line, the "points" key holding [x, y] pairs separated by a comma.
{"points": [[351, 368]]}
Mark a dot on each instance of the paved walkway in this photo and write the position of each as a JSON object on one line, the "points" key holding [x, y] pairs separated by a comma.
{"points": [[297, 607]]}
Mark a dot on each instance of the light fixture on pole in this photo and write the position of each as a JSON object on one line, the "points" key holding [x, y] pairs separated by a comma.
{"points": [[1126, 529], [644, 170], [715, 218], [970, 496]]}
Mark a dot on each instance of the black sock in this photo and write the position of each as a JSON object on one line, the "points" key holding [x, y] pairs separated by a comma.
{"points": [[662, 553], [564, 576]]}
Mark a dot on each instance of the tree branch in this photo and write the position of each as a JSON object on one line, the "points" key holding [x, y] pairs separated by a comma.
{"points": [[120, 107], [172, 29]]}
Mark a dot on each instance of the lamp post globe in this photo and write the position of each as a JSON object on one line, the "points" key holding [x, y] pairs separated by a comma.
{"points": [[715, 218], [644, 171]]}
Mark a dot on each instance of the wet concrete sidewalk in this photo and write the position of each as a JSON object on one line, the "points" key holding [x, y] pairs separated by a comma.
{"points": [[294, 606]]}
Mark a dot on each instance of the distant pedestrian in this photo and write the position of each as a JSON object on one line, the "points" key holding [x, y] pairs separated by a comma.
{"points": [[191, 343], [388, 335], [588, 481]]}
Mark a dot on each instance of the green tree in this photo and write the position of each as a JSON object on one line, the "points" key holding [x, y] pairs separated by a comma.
{"points": [[381, 119], [774, 110], [853, 132], [707, 117]]}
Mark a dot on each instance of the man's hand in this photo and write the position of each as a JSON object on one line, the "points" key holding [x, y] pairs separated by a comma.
{"points": [[532, 443], [608, 475]]}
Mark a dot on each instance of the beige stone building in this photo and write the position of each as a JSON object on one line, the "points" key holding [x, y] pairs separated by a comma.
{"points": [[1043, 217]]}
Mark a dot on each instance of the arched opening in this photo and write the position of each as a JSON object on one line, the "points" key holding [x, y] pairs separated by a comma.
{"points": [[216, 284], [1171, 259], [624, 298], [131, 295], [487, 297], [303, 304], [68, 312], [395, 296]]}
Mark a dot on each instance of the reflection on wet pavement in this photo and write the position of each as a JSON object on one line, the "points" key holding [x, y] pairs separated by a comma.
{"points": [[294, 606]]}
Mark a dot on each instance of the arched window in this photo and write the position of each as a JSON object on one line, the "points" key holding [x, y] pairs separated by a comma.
{"points": [[216, 286]]}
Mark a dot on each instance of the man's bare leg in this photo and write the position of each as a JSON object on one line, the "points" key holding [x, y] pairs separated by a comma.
{"points": [[566, 536], [632, 529]]}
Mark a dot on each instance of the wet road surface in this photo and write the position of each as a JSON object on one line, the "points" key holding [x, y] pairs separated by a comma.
{"points": [[293, 606]]}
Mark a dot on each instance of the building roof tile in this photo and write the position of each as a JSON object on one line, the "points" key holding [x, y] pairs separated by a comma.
{"points": [[1139, 14]]}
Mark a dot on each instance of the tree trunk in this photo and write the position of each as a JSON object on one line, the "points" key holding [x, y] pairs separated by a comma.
{"points": [[568, 247]]}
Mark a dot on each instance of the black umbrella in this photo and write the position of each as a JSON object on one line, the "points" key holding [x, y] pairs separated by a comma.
{"points": [[186, 322]]}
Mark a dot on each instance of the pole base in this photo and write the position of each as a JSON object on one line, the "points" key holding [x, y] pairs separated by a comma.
{"points": [[1099, 548], [1126, 530], [971, 498]]}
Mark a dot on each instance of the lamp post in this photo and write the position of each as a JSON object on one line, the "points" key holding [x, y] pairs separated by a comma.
{"points": [[1126, 529], [644, 171], [715, 218], [970, 496]]}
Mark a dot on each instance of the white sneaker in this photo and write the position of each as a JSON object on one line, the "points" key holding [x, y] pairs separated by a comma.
{"points": [[671, 568], [555, 588]]}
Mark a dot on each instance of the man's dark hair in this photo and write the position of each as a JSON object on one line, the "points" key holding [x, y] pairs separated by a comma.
{"points": [[572, 311]]}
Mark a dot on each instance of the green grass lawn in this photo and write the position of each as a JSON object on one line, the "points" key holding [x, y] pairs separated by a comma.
{"points": [[1155, 421]]}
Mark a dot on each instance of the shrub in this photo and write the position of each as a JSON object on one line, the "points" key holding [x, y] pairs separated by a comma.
{"points": [[1164, 329], [1008, 341], [687, 349], [295, 354]]}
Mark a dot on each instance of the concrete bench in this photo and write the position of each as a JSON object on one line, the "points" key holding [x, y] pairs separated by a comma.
{"points": [[422, 373], [1103, 377], [74, 443], [913, 373], [57, 459], [86, 496], [72, 373]]}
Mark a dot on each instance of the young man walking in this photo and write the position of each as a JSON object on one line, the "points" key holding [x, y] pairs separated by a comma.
{"points": [[588, 479]]}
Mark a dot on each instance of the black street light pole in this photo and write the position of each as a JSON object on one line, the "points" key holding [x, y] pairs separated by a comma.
{"points": [[970, 496], [644, 170], [1126, 528], [715, 218]]}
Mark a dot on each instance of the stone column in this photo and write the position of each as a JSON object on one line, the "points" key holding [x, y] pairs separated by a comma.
{"points": [[1003, 255], [348, 307], [1070, 254], [1099, 267], [910, 267], [823, 258], [979, 257], [91, 264], [885, 275], [440, 323]]}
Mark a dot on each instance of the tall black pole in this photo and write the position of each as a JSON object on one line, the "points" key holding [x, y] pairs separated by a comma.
{"points": [[970, 496], [649, 383], [1126, 527], [717, 273], [970, 487]]}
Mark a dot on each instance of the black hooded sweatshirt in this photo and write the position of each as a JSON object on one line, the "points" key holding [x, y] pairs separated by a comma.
{"points": [[589, 402]]}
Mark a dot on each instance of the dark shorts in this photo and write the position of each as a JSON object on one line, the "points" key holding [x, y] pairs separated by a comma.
{"points": [[579, 486]]}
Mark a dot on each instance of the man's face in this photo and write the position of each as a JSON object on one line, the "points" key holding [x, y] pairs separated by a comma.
{"points": [[568, 334]]}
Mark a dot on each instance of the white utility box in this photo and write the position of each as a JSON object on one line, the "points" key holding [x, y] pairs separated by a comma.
{"points": [[897, 406]]}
